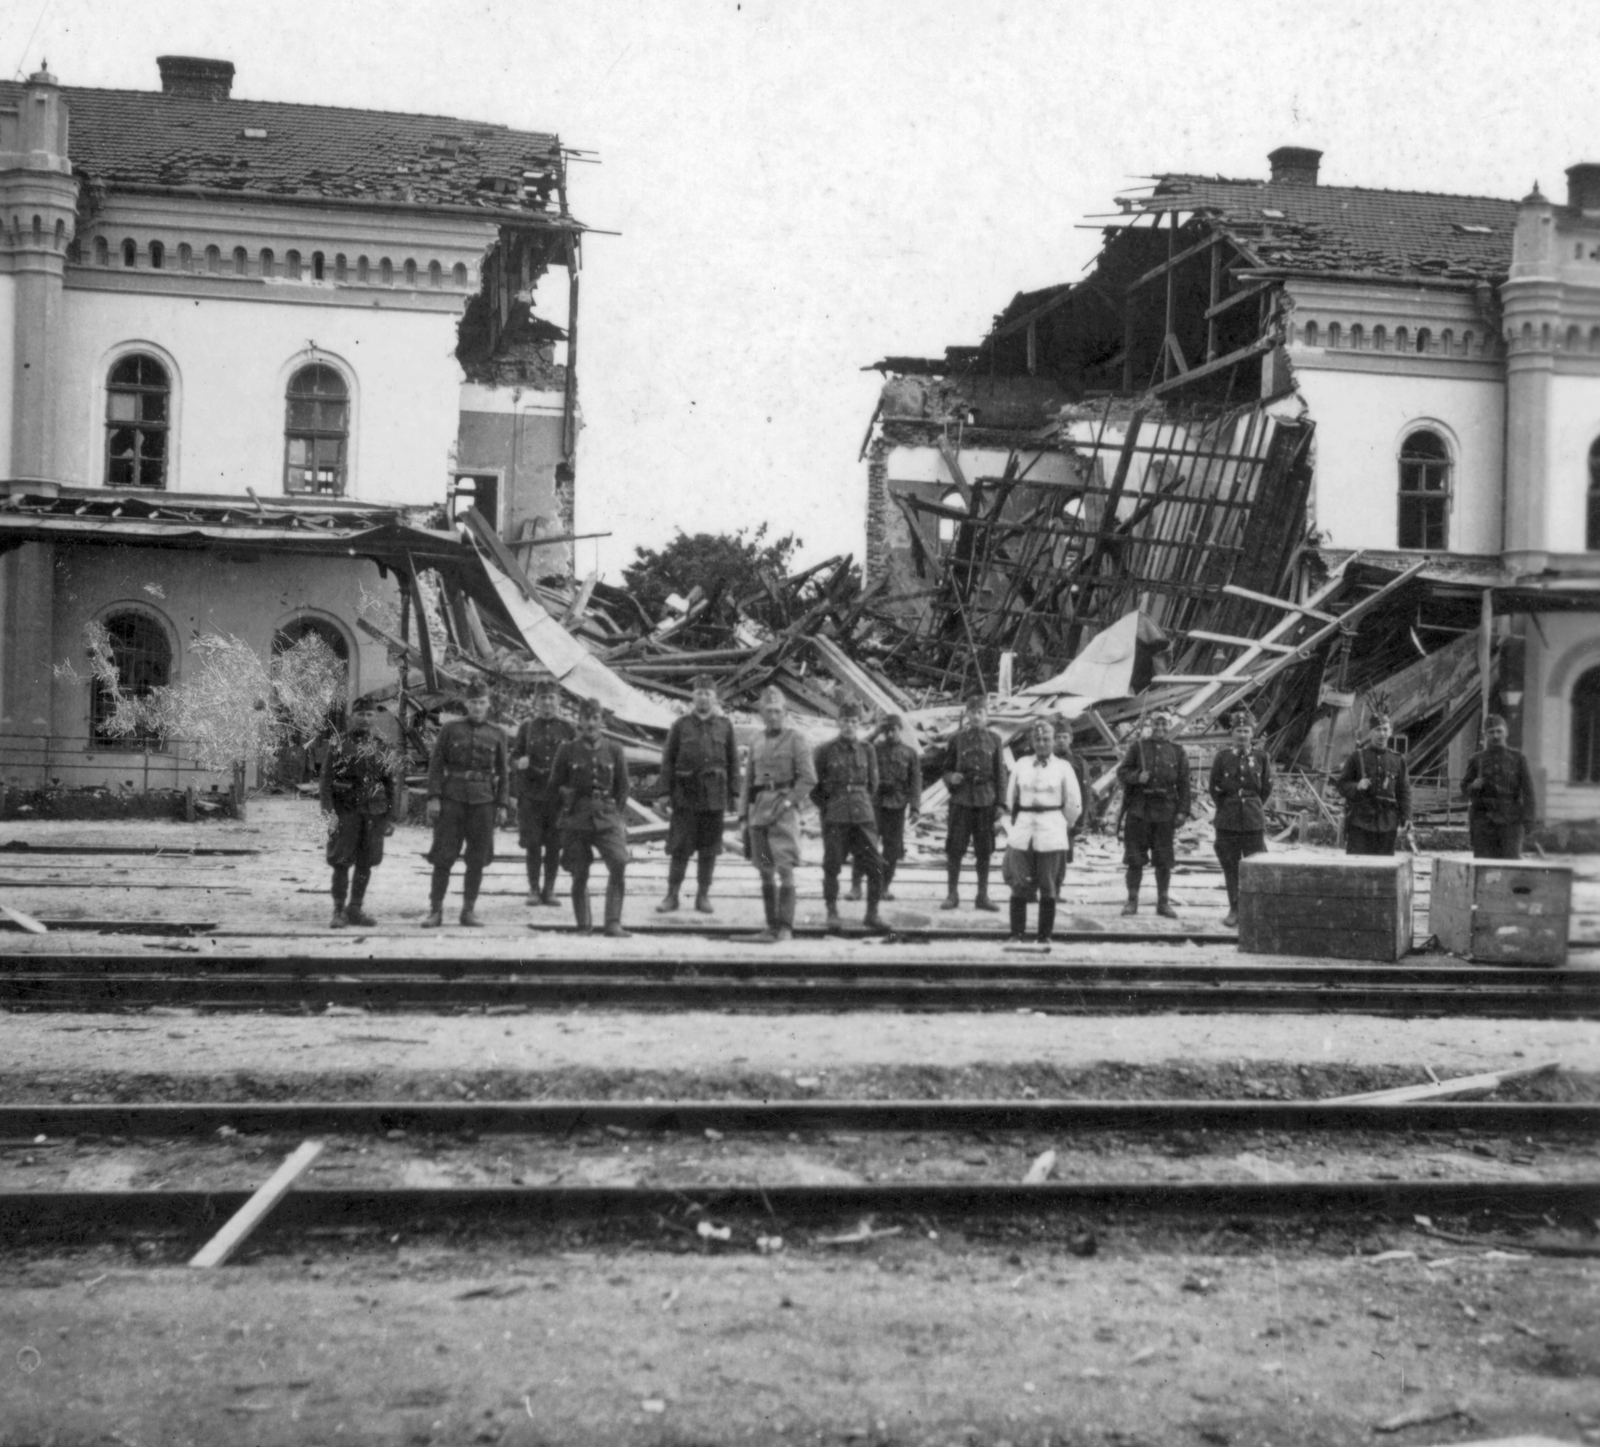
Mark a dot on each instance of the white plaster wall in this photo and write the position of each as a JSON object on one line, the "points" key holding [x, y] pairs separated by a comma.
{"points": [[232, 361], [1361, 418], [924, 464], [8, 362], [1574, 427], [1564, 646]]}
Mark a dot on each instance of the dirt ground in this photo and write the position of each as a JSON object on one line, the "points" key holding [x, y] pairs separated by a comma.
{"points": [[1235, 1334]]}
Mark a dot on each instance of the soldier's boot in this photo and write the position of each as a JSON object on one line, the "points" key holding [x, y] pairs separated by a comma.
{"points": [[704, 866], [1047, 920], [1163, 904], [1231, 919], [1019, 919], [358, 894], [785, 913], [830, 902], [769, 902], [580, 906], [533, 878], [1134, 877], [952, 899], [873, 920], [434, 918], [469, 916], [470, 886], [341, 876], [677, 867], [983, 901], [856, 873], [888, 878], [615, 890], [547, 895]]}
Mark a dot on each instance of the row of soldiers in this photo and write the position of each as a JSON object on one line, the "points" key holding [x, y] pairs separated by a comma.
{"points": [[574, 785]]}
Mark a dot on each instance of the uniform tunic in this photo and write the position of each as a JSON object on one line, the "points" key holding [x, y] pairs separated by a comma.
{"points": [[979, 757], [591, 780], [779, 775], [1374, 815], [1503, 807], [1153, 808], [1043, 802], [699, 765], [361, 789], [899, 789], [847, 784], [537, 803], [469, 771], [1086, 817], [1241, 783]]}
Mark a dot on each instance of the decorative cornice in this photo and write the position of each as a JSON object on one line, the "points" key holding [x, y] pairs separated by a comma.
{"points": [[194, 285]]}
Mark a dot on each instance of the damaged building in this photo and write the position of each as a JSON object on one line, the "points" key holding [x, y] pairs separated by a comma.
{"points": [[237, 337], [1336, 444]]}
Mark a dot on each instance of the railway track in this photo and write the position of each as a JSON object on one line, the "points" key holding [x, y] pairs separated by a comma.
{"points": [[755, 979]]}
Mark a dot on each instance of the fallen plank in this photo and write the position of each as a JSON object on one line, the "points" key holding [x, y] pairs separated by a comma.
{"points": [[1461, 1087], [24, 921], [254, 1211]]}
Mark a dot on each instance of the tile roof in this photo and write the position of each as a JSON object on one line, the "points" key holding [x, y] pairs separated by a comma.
{"points": [[1351, 229], [126, 140]]}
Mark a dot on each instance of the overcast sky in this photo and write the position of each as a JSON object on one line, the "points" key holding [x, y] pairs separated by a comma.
{"points": [[805, 186]]}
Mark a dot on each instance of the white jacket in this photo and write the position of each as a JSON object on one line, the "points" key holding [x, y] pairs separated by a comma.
{"points": [[1043, 796]]}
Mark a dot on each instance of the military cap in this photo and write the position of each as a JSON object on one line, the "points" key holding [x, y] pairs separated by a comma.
{"points": [[1494, 721], [703, 681], [546, 688], [975, 696], [893, 721], [773, 695], [591, 708], [849, 709], [477, 689], [1240, 718]]}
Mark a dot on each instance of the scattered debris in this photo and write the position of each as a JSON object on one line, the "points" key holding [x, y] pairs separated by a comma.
{"points": [[1421, 1417], [1041, 1170]]}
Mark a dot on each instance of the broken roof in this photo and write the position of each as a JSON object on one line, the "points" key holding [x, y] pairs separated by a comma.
{"points": [[1350, 230], [125, 140]]}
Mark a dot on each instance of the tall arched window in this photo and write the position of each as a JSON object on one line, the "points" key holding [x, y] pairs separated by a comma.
{"points": [[138, 410], [1591, 529], [143, 656], [1586, 728], [1424, 492], [317, 432]]}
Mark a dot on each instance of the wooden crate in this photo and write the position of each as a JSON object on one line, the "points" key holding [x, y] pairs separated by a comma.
{"points": [[1512, 912], [1343, 908]]}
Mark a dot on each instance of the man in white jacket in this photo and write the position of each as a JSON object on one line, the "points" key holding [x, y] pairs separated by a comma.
{"points": [[1042, 804]]}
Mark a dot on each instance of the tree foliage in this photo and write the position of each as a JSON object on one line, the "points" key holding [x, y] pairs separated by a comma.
{"points": [[722, 565]]}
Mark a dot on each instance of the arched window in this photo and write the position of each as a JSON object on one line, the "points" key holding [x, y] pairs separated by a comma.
{"points": [[1312, 334], [143, 657], [130, 253], [291, 265], [1425, 340], [1335, 337], [362, 273], [949, 525], [1402, 341], [386, 271], [138, 398], [435, 274], [267, 261], [1586, 728], [1424, 492], [1591, 530], [318, 266], [185, 256], [458, 274], [158, 256], [1358, 338], [317, 431], [410, 272], [241, 261], [1380, 339], [102, 252], [213, 260]]}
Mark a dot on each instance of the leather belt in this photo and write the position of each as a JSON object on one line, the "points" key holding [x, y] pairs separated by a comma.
{"points": [[470, 774]]}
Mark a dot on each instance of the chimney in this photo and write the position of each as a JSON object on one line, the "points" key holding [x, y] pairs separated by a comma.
{"points": [[1583, 186], [192, 78], [1294, 165]]}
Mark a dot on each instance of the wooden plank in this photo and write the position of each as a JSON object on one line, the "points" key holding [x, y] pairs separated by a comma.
{"points": [[1460, 1087], [1238, 642], [1505, 911], [23, 921], [1229, 302], [1172, 263], [1283, 603], [1207, 369], [254, 1211], [430, 674]]}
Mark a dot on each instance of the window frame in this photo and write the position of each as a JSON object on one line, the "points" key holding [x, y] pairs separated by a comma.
{"points": [[1591, 529], [140, 426], [142, 740], [1583, 760], [1440, 499], [317, 433]]}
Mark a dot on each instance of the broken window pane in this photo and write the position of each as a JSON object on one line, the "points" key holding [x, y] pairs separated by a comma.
{"points": [[1424, 512], [1586, 728], [137, 407], [317, 426]]}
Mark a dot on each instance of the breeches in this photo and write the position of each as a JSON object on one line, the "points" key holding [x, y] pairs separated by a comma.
{"points": [[974, 824], [694, 831], [892, 834], [1030, 870], [1495, 841], [840, 841], [1232, 846], [1144, 841], [579, 847], [471, 825], [536, 826], [357, 839], [1368, 841], [775, 848]]}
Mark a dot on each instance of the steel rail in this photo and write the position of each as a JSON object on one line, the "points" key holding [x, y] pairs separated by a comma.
{"points": [[204, 991], [24, 1122], [63, 1216]]}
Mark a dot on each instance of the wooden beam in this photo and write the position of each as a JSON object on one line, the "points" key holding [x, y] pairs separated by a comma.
{"points": [[1238, 642], [430, 674], [1176, 353], [1227, 303], [1283, 603], [951, 461], [254, 1211], [1205, 369], [1173, 262]]}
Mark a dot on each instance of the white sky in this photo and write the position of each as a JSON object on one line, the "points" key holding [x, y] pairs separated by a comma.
{"points": [[803, 187]]}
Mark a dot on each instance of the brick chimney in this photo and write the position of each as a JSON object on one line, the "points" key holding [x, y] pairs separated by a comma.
{"points": [[1583, 186], [1294, 165], [193, 78]]}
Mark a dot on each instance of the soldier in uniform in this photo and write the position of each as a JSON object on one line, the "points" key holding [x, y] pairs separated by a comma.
{"points": [[1064, 751], [1043, 803], [533, 751], [1377, 793], [469, 783], [1500, 788], [590, 776], [847, 784], [975, 773], [899, 792], [698, 766], [1155, 779], [1241, 783], [360, 797], [779, 777]]}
